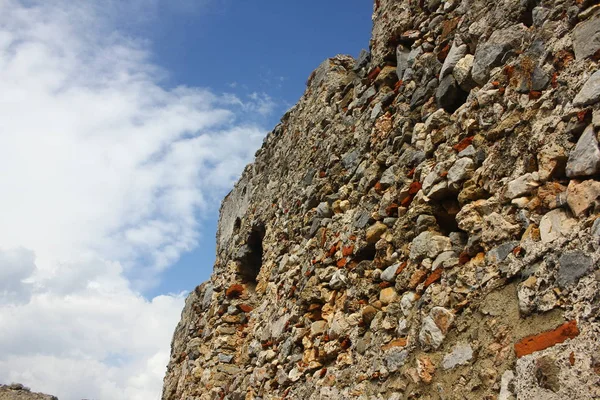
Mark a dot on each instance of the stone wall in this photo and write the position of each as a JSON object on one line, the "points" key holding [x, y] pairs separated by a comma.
{"points": [[423, 224]]}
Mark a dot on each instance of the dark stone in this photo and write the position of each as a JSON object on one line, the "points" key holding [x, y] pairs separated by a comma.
{"points": [[447, 93], [499, 254], [423, 93], [362, 60], [361, 218], [496, 50], [572, 266], [350, 160]]}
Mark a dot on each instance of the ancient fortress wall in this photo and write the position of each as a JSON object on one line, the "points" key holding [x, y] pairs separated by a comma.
{"points": [[423, 224]]}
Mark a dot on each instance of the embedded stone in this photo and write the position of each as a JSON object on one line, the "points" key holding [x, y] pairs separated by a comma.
{"points": [[388, 295], [590, 92], [375, 232], [402, 57], [429, 244], [584, 159], [460, 171], [492, 53], [522, 185], [461, 354], [368, 313], [462, 73], [389, 274], [339, 280], [455, 54], [323, 210], [573, 266], [582, 196], [555, 224], [586, 37]]}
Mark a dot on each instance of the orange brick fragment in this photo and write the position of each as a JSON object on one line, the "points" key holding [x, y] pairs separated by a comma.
{"points": [[347, 251], [414, 188], [433, 277], [534, 343], [245, 308], [373, 74], [463, 144], [400, 342], [342, 262]]}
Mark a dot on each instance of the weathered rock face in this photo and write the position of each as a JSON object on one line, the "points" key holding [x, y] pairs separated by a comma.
{"points": [[422, 224], [20, 392]]}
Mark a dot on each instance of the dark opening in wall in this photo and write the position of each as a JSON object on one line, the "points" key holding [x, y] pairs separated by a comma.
{"points": [[527, 16], [251, 254], [445, 215], [237, 225], [366, 253]]}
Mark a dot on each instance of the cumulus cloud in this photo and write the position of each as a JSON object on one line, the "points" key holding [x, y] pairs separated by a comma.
{"points": [[104, 173]]}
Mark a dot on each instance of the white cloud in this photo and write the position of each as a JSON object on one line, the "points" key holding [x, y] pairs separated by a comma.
{"points": [[104, 172]]}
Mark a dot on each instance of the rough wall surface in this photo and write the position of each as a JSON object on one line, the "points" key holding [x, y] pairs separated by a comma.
{"points": [[422, 224]]}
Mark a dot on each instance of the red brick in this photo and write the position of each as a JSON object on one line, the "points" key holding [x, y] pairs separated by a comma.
{"points": [[542, 341], [234, 291]]}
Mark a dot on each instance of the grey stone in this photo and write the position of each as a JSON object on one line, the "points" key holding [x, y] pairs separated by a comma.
{"points": [[461, 354], [339, 280], [402, 54], [423, 93], [361, 218], [468, 152], [494, 52], [521, 186], [389, 274], [429, 244], [350, 160], [207, 298], [584, 159], [362, 60], [225, 358], [364, 98], [460, 170], [455, 54], [388, 178], [316, 224], [500, 253], [324, 210], [590, 92], [376, 111], [424, 222], [586, 37], [447, 259], [596, 228], [539, 15], [447, 93], [573, 266], [395, 358]]}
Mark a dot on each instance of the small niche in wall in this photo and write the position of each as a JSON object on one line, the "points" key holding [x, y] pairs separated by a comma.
{"points": [[251, 254]]}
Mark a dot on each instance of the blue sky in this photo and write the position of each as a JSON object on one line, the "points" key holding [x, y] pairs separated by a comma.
{"points": [[244, 47], [122, 125]]}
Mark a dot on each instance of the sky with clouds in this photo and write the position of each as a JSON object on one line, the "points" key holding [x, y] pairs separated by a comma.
{"points": [[122, 125]]}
